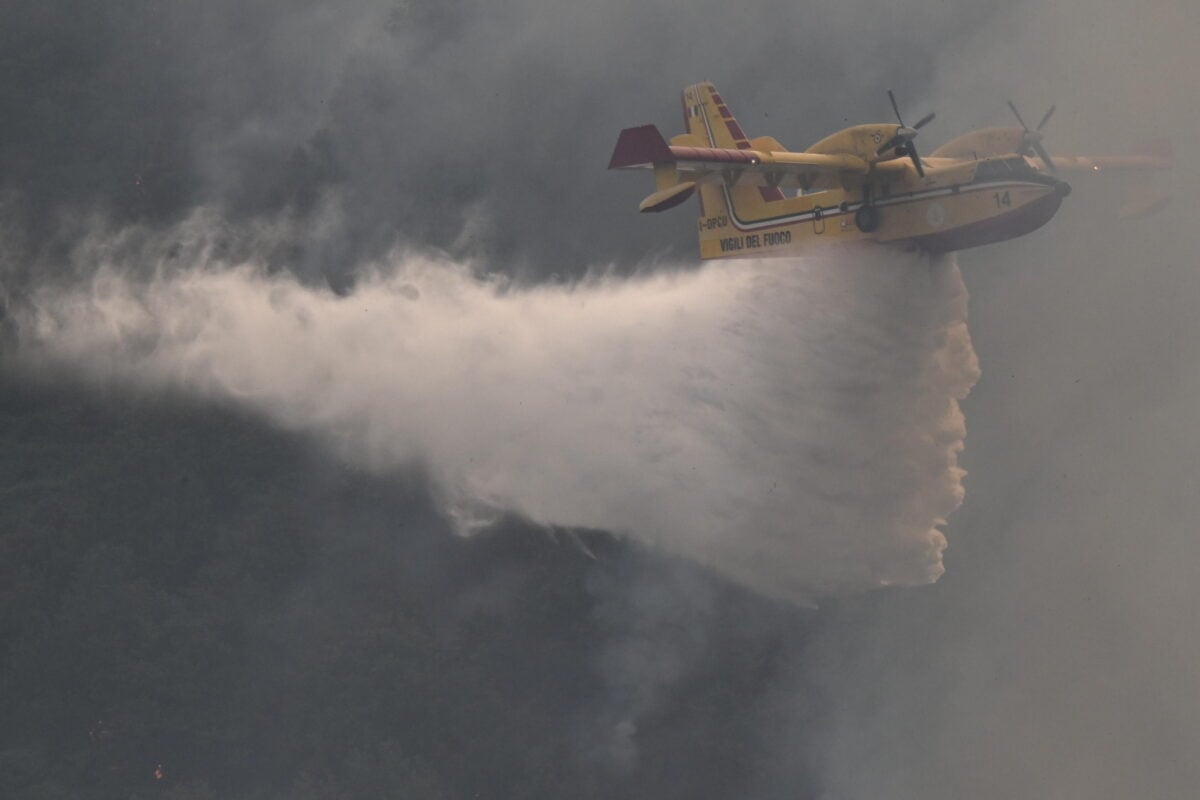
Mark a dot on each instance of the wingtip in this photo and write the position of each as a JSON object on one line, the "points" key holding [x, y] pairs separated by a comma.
{"points": [[639, 147], [1160, 148]]}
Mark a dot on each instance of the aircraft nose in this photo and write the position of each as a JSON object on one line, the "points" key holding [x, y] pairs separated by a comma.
{"points": [[1057, 185]]}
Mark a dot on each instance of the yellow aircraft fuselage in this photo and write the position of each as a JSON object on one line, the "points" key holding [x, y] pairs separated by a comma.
{"points": [[950, 209], [860, 184]]}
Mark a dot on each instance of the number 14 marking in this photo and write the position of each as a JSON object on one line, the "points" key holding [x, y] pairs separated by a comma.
{"points": [[1002, 200]]}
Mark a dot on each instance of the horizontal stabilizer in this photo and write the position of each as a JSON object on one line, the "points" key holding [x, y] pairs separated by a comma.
{"points": [[668, 198], [640, 147]]}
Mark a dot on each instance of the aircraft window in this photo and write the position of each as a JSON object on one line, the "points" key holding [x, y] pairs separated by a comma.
{"points": [[1002, 168]]}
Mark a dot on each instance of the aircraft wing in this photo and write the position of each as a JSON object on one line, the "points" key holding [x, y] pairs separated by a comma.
{"points": [[1104, 163], [645, 148], [1142, 196], [1153, 155]]}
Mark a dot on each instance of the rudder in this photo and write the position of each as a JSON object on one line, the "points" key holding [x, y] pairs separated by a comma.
{"points": [[710, 123]]}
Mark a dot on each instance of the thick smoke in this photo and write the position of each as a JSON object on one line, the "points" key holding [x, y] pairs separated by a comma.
{"points": [[1055, 659], [793, 424], [478, 128]]}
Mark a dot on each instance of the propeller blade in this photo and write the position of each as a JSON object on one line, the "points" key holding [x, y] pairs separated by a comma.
{"points": [[925, 120], [1044, 156], [888, 145], [1017, 114], [1046, 118], [911, 149], [895, 107], [1032, 141]]}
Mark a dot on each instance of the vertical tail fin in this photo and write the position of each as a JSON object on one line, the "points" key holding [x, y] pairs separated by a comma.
{"points": [[708, 117], [710, 123]]}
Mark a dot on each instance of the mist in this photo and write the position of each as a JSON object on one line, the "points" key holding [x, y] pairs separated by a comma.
{"points": [[316, 215], [793, 425], [1051, 659]]}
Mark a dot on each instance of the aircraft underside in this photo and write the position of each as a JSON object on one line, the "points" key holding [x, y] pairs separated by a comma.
{"points": [[937, 220], [863, 183]]}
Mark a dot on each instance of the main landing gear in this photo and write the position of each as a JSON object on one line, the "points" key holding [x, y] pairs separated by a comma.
{"points": [[867, 218]]}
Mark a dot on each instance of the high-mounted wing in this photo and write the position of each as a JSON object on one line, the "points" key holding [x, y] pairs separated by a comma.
{"points": [[716, 151], [679, 168], [1103, 163], [1142, 196], [643, 147], [990, 142]]}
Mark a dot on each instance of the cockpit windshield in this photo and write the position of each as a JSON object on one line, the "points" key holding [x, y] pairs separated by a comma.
{"points": [[998, 168]]}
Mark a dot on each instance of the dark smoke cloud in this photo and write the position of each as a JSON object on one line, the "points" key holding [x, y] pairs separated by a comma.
{"points": [[1054, 658], [480, 128], [1051, 659]]}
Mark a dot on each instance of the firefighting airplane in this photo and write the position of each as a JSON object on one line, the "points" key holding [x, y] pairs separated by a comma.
{"points": [[866, 182]]}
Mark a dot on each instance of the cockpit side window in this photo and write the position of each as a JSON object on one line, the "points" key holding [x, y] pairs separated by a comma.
{"points": [[998, 168]]}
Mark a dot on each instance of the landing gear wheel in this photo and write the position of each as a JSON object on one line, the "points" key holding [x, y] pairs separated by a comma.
{"points": [[867, 219]]}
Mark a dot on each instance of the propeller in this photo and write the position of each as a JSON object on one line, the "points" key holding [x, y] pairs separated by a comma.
{"points": [[903, 140], [1033, 138]]}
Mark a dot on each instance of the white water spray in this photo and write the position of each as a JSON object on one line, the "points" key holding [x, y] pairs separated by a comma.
{"points": [[793, 424]]}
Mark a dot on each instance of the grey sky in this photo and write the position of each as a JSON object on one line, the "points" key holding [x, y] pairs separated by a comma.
{"points": [[422, 117], [1056, 657]]}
